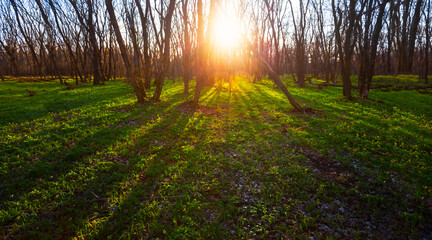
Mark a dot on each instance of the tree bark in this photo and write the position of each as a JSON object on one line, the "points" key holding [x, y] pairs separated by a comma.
{"points": [[166, 52], [122, 46], [11, 53], [187, 47], [137, 54], [413, 35], [346, 47], [408, 35], [369, 51], [428, 22], [144, 28], [276, 79], [202, 54]]}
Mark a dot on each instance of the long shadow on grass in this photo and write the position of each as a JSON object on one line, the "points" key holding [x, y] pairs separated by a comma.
{"points": [[173, 147], [55, 164], [147, 153], [366, 117], [60, 162], [61, 159], [30, 108], [167, 136]]}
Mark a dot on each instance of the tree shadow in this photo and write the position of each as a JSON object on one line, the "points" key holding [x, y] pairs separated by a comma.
{"points": [[166, 136], [63, 162], [55, 99]]}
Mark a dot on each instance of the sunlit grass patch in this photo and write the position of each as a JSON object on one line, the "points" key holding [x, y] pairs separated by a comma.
{"points": [[91, 163]]}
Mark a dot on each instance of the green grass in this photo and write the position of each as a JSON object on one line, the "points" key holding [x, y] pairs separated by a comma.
{"points": [[397, 82], [89, 163]]}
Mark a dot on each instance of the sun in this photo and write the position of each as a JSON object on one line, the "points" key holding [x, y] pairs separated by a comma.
{"points": [[226, 31]]}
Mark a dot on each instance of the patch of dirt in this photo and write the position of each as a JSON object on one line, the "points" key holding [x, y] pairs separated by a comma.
{"points": [[306, 111], [331, 170], [72, 87], [30, 93]]}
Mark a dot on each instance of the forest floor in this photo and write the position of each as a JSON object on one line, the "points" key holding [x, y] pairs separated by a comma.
{"points": [[90, 163]]}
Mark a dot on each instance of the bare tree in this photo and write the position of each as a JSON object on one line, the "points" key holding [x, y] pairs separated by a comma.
{"points": [[408, 35], [203, 43], [347, 42], [88, 23], [300, 31], [186, 47], [368, 47], [51, 45], [130, 19], [145, 35], [427, 41], [130, 73], [325, 43], [9, 39], [25, 32], [166, 51]]}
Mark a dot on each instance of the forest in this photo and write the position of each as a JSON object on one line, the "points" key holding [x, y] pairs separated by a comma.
{"points": [[215, 119]]}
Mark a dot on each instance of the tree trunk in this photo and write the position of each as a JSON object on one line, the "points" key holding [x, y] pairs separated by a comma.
{"points": [[373, 50], [137, 55], [413, 36], [11, 53], [276, 79], [364, 52], [147, 60], [66, 41], [27, 39], [187, 48], [51, 44], [428, 22], [202, 53], [96, 58], [166, 52], [345, 48], [122, 46], [409, 35], [369, 48]]}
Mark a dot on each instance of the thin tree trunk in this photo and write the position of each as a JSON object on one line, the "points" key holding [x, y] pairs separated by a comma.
{"points": [[276, 79], [345, 49], [137, 55], [122, 46], [413, 36], [147, 60], [428, 22], [51, 45], [11, 53], [27, 39], [187, 48], [373, 50], [166, 52], [364, 52], [202, 54], [96, 58]]}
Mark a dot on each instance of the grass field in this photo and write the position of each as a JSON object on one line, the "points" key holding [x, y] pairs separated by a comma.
{"points": [[90, 163]]}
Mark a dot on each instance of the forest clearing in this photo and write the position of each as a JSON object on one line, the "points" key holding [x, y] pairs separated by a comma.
{"points": [[90, 162], [215, 119]]}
